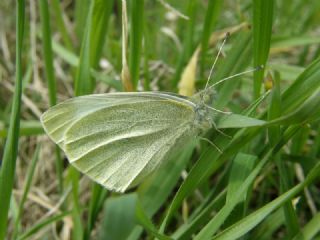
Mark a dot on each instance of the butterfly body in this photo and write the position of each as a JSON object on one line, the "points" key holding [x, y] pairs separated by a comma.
{"points": [[118, 139]]}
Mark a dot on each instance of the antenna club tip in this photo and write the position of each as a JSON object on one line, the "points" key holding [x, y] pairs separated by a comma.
{"points": [[259, 67]]}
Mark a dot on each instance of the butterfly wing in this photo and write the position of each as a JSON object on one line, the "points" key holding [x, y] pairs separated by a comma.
{"points": [[119, 139]]}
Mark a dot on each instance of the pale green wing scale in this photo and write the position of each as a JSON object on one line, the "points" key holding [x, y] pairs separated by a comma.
{"points": [[118, 139]]}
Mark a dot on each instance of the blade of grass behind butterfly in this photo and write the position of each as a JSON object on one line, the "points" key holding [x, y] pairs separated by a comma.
{"points": [[26, 189], [237, 60], [285, 43], [92, 45], [287, 72], [245, 225], [81, 13], [10, 152], [213, 11], [262, 27], [302, 88], [100, 20], [49, 73], [56, 5], [188, 27], [136, 36]]}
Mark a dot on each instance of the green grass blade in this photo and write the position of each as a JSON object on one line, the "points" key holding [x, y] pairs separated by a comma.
{"points": [[274, 110], [269, 226], [262, 27], [239, 121], [310, 230], [100, 20], [303, 87], [11, 148], [81, 14], [47, 50], [26, 189], [242, 166], [49, 71], [237, 60], [27, 128], [92, 44], [147, 223], [212, 13], [98, 194], [56, 5], [42, 224], [291, 218], [279, 42], [84, 83], [119, 217], [78, 229], [188, 40], [136, 36]]}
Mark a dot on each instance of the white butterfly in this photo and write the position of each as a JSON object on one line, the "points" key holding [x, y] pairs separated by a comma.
{"points": [[118, 139]]}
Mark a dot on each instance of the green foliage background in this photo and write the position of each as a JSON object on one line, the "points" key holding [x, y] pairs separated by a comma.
{"points": [[264, 185]]}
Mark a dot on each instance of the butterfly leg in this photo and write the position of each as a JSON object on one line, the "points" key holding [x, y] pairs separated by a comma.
{"points": [[219, 131], [214, 145]]}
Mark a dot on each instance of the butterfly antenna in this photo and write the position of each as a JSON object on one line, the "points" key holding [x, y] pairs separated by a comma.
{"points": [[216, 59], [236, 75]]}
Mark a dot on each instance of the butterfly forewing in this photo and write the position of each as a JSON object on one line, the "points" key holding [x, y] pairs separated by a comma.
{"points": [[119, 139]]}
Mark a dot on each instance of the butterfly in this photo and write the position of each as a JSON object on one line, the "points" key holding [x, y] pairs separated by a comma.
{"points": [[118, 139]]}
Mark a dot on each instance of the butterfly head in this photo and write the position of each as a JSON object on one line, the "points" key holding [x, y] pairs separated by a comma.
{"points": [[204, 97]]}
